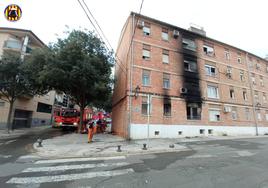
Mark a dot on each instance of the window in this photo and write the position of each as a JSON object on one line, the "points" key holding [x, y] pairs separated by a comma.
{"points": [[164, 33], [193, 111], [210, 70], [190, 66], [213, 92], [45, 108], [245, 97], [239, 60], [145, 106], [232, 94], [2, 104], [266, 115], [188, 44], [146, 77], [234, 113], [214, 115], [165, 56], [264, 97], [229, 72], [256, 95], [247, 114], [167, 107], [227, 54], [208, 50], [242, 76], [258, 66], [253, 79], [261, 81], [166, 81], [146, 29], [146, 52]]}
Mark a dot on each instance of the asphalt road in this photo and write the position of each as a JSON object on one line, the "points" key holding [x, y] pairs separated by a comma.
{"points": [[239, 163]]}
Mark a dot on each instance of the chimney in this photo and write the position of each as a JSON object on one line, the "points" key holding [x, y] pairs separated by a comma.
{"points": [[197, 29]]}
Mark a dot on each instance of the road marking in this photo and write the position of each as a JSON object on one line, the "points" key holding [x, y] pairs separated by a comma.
{"points": [[68, 177], [200, 156], [79, 159], [72, 167], [245, 153], [10, 141]]}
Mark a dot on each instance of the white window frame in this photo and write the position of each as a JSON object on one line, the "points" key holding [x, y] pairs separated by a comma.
{"points": [[216, 92], [227, 55], [165, 36], [210, 50], [146, 30], [146, 54], [165, 58], [146, 78], [234, 114], [208, 69], [214, 115]]}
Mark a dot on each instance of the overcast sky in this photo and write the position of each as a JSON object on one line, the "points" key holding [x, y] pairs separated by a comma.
{"points": [[242, 23]]}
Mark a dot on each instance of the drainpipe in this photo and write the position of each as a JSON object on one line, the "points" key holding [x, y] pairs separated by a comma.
{"points": [[24, 47], [148, 118], [252, 96], [130, 77]]}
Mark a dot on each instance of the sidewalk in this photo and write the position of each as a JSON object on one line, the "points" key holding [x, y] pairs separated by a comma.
{"points": [[75, 145], [18, 132]]}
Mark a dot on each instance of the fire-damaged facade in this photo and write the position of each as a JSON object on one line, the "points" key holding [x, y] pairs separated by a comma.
{"points": [[172, 82]]}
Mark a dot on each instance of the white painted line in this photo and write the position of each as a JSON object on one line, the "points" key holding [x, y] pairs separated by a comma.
{"points": [[10, 141], [200, 156], [79, 159], [73, 167], [68, 177]]}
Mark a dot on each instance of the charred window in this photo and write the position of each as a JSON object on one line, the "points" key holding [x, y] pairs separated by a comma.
{"points": [[190, 66], [188, 44], [193, 111], [167, 107]]}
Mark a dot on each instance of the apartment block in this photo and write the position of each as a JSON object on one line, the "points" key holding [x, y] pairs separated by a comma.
{"points": [[28, 111], [172, 82]]}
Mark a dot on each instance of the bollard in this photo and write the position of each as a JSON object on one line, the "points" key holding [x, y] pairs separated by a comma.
{"points": [[144, 147], [171, 146], [119, 148], [39, 141]]}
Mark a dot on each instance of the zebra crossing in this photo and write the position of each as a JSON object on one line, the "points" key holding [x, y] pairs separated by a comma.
{"points": [[60, 170]]}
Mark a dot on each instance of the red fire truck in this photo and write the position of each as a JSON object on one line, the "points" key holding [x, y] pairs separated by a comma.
{"points": [[70, 117], [66, 117]]}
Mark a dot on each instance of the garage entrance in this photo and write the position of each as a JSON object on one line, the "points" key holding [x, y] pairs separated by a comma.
{"points": [[22, 119]]}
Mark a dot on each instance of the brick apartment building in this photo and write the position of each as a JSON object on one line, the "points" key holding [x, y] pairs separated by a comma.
{"points": [[28, 111], [189, 84]]}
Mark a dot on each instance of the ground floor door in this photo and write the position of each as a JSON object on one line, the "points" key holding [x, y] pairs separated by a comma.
{"points": [[22, 119]]}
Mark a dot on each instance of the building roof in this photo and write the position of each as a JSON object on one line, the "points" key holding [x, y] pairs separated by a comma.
{"points": [[17, 31], [195, 34]]}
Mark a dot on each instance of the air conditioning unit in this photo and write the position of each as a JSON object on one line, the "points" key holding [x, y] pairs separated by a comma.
{"points": [[183, 90], [227, 109], [140, 24], [176, 33]]}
